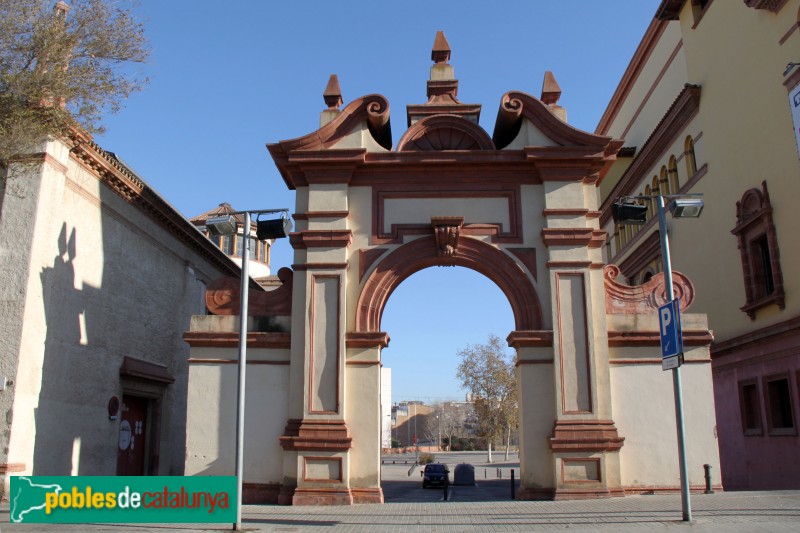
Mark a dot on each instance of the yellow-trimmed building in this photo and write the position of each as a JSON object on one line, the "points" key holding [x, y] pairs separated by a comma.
{"points": [[706, 106]]}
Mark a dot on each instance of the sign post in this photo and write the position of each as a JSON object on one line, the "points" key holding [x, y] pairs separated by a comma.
{"points": [[669, 325]]}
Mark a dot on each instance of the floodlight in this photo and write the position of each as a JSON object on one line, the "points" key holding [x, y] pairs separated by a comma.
{"points": [[273, 229], [686, 207], [224, 225], [628, 212], [789, 68]]}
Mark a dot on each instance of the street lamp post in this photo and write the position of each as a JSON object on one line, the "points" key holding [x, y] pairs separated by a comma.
{"points": [[268, 229], [681, 207]]}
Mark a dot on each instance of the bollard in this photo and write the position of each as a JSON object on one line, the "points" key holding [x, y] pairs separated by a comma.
{"points": [[513, 496], [499, 473], [707, 468], [484, 473], [446, 485]]}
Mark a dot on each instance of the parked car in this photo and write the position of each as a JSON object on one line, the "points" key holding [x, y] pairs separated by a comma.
{"points": [[435, 474]]}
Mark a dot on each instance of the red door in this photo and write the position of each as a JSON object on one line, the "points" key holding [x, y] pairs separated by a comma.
{"points": [[132, 441]]}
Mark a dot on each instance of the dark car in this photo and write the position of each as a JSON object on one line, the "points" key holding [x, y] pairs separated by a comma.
{"points": [[435, 474]]}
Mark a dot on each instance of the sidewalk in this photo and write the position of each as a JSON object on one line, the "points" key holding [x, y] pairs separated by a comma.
{"points": [[775, 511]]}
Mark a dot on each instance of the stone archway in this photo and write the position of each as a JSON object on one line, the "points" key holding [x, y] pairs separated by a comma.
{"points": [[471, 253]]}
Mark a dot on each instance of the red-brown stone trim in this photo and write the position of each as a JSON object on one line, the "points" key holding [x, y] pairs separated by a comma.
{"points": [[595, 460], [286, 495], [585, 436], [230, 339], [260, 493], [769, 5], [41, 158], [366, 258], [575, 264], [367, 495], [446, 231], [309, 215], [335, 308], [788, 34], [632, 72], [321, 496], [515, 105], [525, 339], [573, 237], [319, 266], [321, 238], [7, 468], [223, 298], [511, 193], [633, 299], [627, 339], [585, 357], [675, 120], [366, 339], [782, 333], [571, 212], [528, 258], [316, 435], [473, 254], [444, 132]]}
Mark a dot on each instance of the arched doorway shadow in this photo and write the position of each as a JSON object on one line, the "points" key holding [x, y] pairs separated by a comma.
{"points": [[471, 253]]}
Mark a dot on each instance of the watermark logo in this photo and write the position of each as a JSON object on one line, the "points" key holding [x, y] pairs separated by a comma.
{"points": [[122, 499]]}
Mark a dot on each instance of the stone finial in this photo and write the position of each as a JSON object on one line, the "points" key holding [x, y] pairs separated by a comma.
{"points": [[551, 92], [61, 8], [333, 94], [441, 48]]}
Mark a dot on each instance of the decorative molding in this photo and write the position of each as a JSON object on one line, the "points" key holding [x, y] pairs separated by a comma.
{"points": [[366, 258], [335, 309], [230, 339], [585, 436], [528, 258], [473, 254], [566, 323], [754, 342], [316, 435], [366, 339], [321, 238], [223, 297], [140, 369], [446, 231], [319, 266], [123, 182], [8, 468], [367, 495], [769, 5], [309, 215], [444, 132], [626, 299], [203, 361], [527, 339], [627, 339], [675, 120], [653, 360], [322, 496], [328, 459], [575, 264], [573, 237]]}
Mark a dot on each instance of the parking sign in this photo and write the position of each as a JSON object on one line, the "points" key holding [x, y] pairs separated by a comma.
{"points": [[669, 323]]}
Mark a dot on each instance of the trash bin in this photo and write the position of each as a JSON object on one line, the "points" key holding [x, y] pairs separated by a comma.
{"points": [[464, 474]]}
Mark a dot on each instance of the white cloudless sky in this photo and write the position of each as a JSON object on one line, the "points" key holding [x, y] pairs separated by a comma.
{"points": [[229, 77]]}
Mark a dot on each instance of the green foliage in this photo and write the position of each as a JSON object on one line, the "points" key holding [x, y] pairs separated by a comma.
{"points": [[396, 443], [425, 458], [62, 66]]}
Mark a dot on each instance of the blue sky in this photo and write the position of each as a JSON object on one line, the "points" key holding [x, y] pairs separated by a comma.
{"points": [[229, 77]]}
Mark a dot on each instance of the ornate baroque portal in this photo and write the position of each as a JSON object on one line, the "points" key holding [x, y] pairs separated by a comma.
{"points": [[520, 207]]}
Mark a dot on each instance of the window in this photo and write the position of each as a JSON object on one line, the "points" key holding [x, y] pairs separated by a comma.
{"points": [[688, 153], [750, 407], [674, 184], [780, 415], [664, 181], [758, 247]]}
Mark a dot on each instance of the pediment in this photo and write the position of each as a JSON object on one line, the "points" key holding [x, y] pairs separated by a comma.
{"points": [[442, 133]]}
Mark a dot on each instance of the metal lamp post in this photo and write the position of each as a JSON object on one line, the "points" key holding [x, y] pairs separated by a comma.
{"points": [[681, 207], [268, 229]]}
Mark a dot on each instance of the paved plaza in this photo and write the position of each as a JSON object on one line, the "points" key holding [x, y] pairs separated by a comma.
{"points": [[487, 507]]}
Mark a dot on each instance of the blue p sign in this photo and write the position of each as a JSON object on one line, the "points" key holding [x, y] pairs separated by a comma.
{"points": [[669, 322]]}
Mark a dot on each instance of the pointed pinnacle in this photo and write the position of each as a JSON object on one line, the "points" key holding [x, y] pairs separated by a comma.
{"points": [[551, 92], [333, 94], [441, 48]]}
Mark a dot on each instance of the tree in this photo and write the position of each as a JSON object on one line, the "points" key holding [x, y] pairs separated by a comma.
{"points": [[63, 67], [488, 375]]}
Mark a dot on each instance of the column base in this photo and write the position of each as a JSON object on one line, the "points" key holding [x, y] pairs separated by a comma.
{"points": [[367, 495], [309, 496]]}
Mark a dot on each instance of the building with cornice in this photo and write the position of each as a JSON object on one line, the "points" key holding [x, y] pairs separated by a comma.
{"points": [[706, 106], [99, 277]]}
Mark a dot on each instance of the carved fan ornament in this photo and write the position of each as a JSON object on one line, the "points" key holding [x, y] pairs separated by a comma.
{"points": [[222, 297], [626, 299]]}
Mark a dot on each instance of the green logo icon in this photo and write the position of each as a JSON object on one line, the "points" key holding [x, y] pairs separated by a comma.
{"points": [[122, 499]]}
